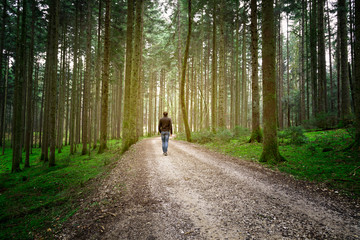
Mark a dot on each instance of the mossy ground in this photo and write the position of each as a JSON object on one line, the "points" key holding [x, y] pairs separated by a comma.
{"points": [[38, 199], [320, 159]]}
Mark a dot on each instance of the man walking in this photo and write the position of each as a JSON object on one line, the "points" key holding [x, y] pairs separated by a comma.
{"points": [[165, 129]]}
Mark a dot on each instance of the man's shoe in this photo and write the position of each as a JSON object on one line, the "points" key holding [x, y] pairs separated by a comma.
{"points": [[165, 154]]}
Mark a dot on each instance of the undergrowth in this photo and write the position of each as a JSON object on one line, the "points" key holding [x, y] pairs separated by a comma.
{"points": [[317, 156], [36, 200]]}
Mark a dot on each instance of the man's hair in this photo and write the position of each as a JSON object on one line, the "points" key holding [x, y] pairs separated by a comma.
{"points": [[165, 114]]}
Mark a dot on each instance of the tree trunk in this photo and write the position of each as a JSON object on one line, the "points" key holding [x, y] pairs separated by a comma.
{"points": [[280, 71], [85, 115], [243, 75], [62, 90], [332, 104], [151, 101], [4, 108], [256, 134], [222, 81], [356, 146], [345, 90], [98, 80], [29, 118], [302, 65], [183, 72], [213, 72], [322, 107], [74, 85], [127, 96], [313, 52], [2, 79], [135, 75], [270, 152], [288, 72], [18, 91], [53, 46], [237, 75], [105, 81]]}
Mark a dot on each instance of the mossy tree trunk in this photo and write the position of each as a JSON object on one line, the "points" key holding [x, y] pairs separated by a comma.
{"points": [[222, 80], [345, 85], [256, 134], [243, 74], [127, 96], [357, 76], [322, 108], [97, 79], [105, 81], [53, 61], [313, 55], [270, 152], [74, 84], [85, 115], [237, 73], [62, 91], [183, 72], [29, 101], [2, 78], [213, 73], [18, 91], [135, 75]]}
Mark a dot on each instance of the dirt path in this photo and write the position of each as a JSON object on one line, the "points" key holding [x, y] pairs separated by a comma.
{"points": [[194, 193]]}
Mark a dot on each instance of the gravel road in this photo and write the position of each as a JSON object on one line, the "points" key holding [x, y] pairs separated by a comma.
{"points": [[194, 193]]}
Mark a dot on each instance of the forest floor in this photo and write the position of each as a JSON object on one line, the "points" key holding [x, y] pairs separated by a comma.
{"points": [[196, 193]]}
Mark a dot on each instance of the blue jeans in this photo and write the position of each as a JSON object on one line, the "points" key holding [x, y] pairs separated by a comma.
{"points": [[165, 140]]}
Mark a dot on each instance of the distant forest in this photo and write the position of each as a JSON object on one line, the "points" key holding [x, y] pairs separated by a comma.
{"points": [[78, 73]]}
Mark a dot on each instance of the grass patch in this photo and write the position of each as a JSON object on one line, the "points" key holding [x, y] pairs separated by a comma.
{"points": [[38, 199], [318, 157]]}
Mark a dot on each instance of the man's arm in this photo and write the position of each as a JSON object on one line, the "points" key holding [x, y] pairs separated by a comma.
{"points": [[159, 127], [170, 127]]}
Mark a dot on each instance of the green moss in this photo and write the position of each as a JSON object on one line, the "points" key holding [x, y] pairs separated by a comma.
{"points": [[39, 198]]}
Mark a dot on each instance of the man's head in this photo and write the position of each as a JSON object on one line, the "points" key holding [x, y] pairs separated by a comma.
{"points": [[165, 114]]}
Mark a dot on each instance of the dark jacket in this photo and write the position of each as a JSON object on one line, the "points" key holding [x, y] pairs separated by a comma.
{"points": [[165, 125]]}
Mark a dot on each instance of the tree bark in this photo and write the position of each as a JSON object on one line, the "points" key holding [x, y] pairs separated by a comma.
{"points": [[85, 115], [332, 104], [322, 107], [74, 84], [222, 80], [105, 81], [127, 96], [135, 75], [98, 80], [54, 26], [213, 72], [183, 72], [345, 89], [29, 118], [313, 52], [4, 108], [356, 145], [18, 91], [270, 152], [256, 134], [243, 75], [2, 78]]}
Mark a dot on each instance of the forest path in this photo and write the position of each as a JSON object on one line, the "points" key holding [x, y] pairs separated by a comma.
{"points": [[194, 193]]}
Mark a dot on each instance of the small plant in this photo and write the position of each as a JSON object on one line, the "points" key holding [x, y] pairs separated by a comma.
{"points": [[293, 135], [322, 121], [224, 135], [239, 132], [203, 137]]}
